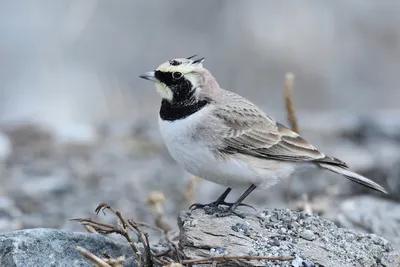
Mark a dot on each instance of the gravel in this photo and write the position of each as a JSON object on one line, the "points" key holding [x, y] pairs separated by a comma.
{"points": [[313, 240]]}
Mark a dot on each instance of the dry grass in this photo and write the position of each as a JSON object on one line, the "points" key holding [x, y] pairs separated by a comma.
{"points": [[291, 115]]}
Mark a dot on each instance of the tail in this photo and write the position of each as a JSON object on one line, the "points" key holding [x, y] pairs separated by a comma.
{"points": [[352, 176]]}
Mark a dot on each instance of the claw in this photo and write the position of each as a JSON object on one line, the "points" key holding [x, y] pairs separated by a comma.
{"points": [[228, 213], [242, 204], [216, 204], [196, 206]]}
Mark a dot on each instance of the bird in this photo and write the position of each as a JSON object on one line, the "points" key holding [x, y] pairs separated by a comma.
{"points": [[222, 137]]}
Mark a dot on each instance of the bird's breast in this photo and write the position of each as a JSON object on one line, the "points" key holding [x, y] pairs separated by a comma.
{"points": [[196, 154], [179, 137]]}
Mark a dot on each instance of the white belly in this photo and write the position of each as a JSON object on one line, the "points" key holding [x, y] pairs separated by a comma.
{"points": [[198, 160], [195, 156]]}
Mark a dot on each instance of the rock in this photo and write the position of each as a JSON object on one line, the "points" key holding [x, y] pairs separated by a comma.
{"points": [[307, 235], [369, 214], [75, 132], [9, 215], [5, 146], [50, 247], [312, 241]]}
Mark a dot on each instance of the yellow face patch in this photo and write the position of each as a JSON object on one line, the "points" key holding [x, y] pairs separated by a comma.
{"points": [[181, 65], [164, 91]]}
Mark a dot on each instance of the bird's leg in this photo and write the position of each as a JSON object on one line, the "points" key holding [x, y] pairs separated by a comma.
{"points": [[238, 202]]}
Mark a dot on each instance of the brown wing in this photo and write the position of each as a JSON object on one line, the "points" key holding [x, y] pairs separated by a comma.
{"points": [[252, 132]]}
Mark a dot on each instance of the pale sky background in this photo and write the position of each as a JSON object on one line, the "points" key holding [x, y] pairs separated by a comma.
{"points": [[65, 61]]}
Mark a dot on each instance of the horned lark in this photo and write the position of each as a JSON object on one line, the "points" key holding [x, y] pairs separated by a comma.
{"points": [[224, 138]]}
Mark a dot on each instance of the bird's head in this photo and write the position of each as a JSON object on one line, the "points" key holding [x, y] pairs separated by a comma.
{"points": [[183, 80]]}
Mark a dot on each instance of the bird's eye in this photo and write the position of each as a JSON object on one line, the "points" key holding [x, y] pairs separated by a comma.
{"points": [[176, 75]]}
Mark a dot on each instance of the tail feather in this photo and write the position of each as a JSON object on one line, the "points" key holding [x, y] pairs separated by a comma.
{"points": [[353, 176]]}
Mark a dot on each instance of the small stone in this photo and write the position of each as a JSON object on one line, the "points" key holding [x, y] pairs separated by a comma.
{"points": [[295, 225], [274, 249], [276, 243], [284, 247], [297, 261], [303, 215], [252, 252], [308, 235], [307, 263], [221, 251], [235, 228], [273, 219]]}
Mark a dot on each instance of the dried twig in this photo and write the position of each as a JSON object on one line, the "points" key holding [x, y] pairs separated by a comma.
{"points": [[248, 258], [125, 225], [142, 224], [156, 200], [90, 229], [190, 190], [104, 228], [93, 258], [148, 254], [291, 116], [134, 227], [118, 262], [147, 257]]}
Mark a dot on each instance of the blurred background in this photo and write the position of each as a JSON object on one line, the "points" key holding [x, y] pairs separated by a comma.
{"points": [[78, 127]]}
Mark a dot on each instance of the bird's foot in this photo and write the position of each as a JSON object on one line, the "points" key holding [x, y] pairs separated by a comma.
{"points": [[228, 212], [216, 204], [214, 208]]}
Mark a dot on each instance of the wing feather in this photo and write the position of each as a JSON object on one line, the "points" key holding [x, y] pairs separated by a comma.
{"points": [[250, 131]]}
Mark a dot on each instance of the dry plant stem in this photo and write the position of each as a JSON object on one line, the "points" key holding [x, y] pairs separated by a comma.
{"points": [[131, 225], [148, 253], [104, 228], [93, 258], [125, 224], [289, 81], [142, 224], [190, 190], [291, 116], [90, 221], [148, 257], [118, 262], [90, 229], [248, 258]]}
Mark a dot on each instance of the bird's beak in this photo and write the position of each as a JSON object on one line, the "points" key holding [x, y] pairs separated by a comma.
{"points": [[149, 76]]}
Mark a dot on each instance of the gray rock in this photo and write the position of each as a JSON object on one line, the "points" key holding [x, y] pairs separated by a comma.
{"points": [[307, 235], [327, 246], [369, 214], [5, 146], [49, 247], [9, 215]]}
